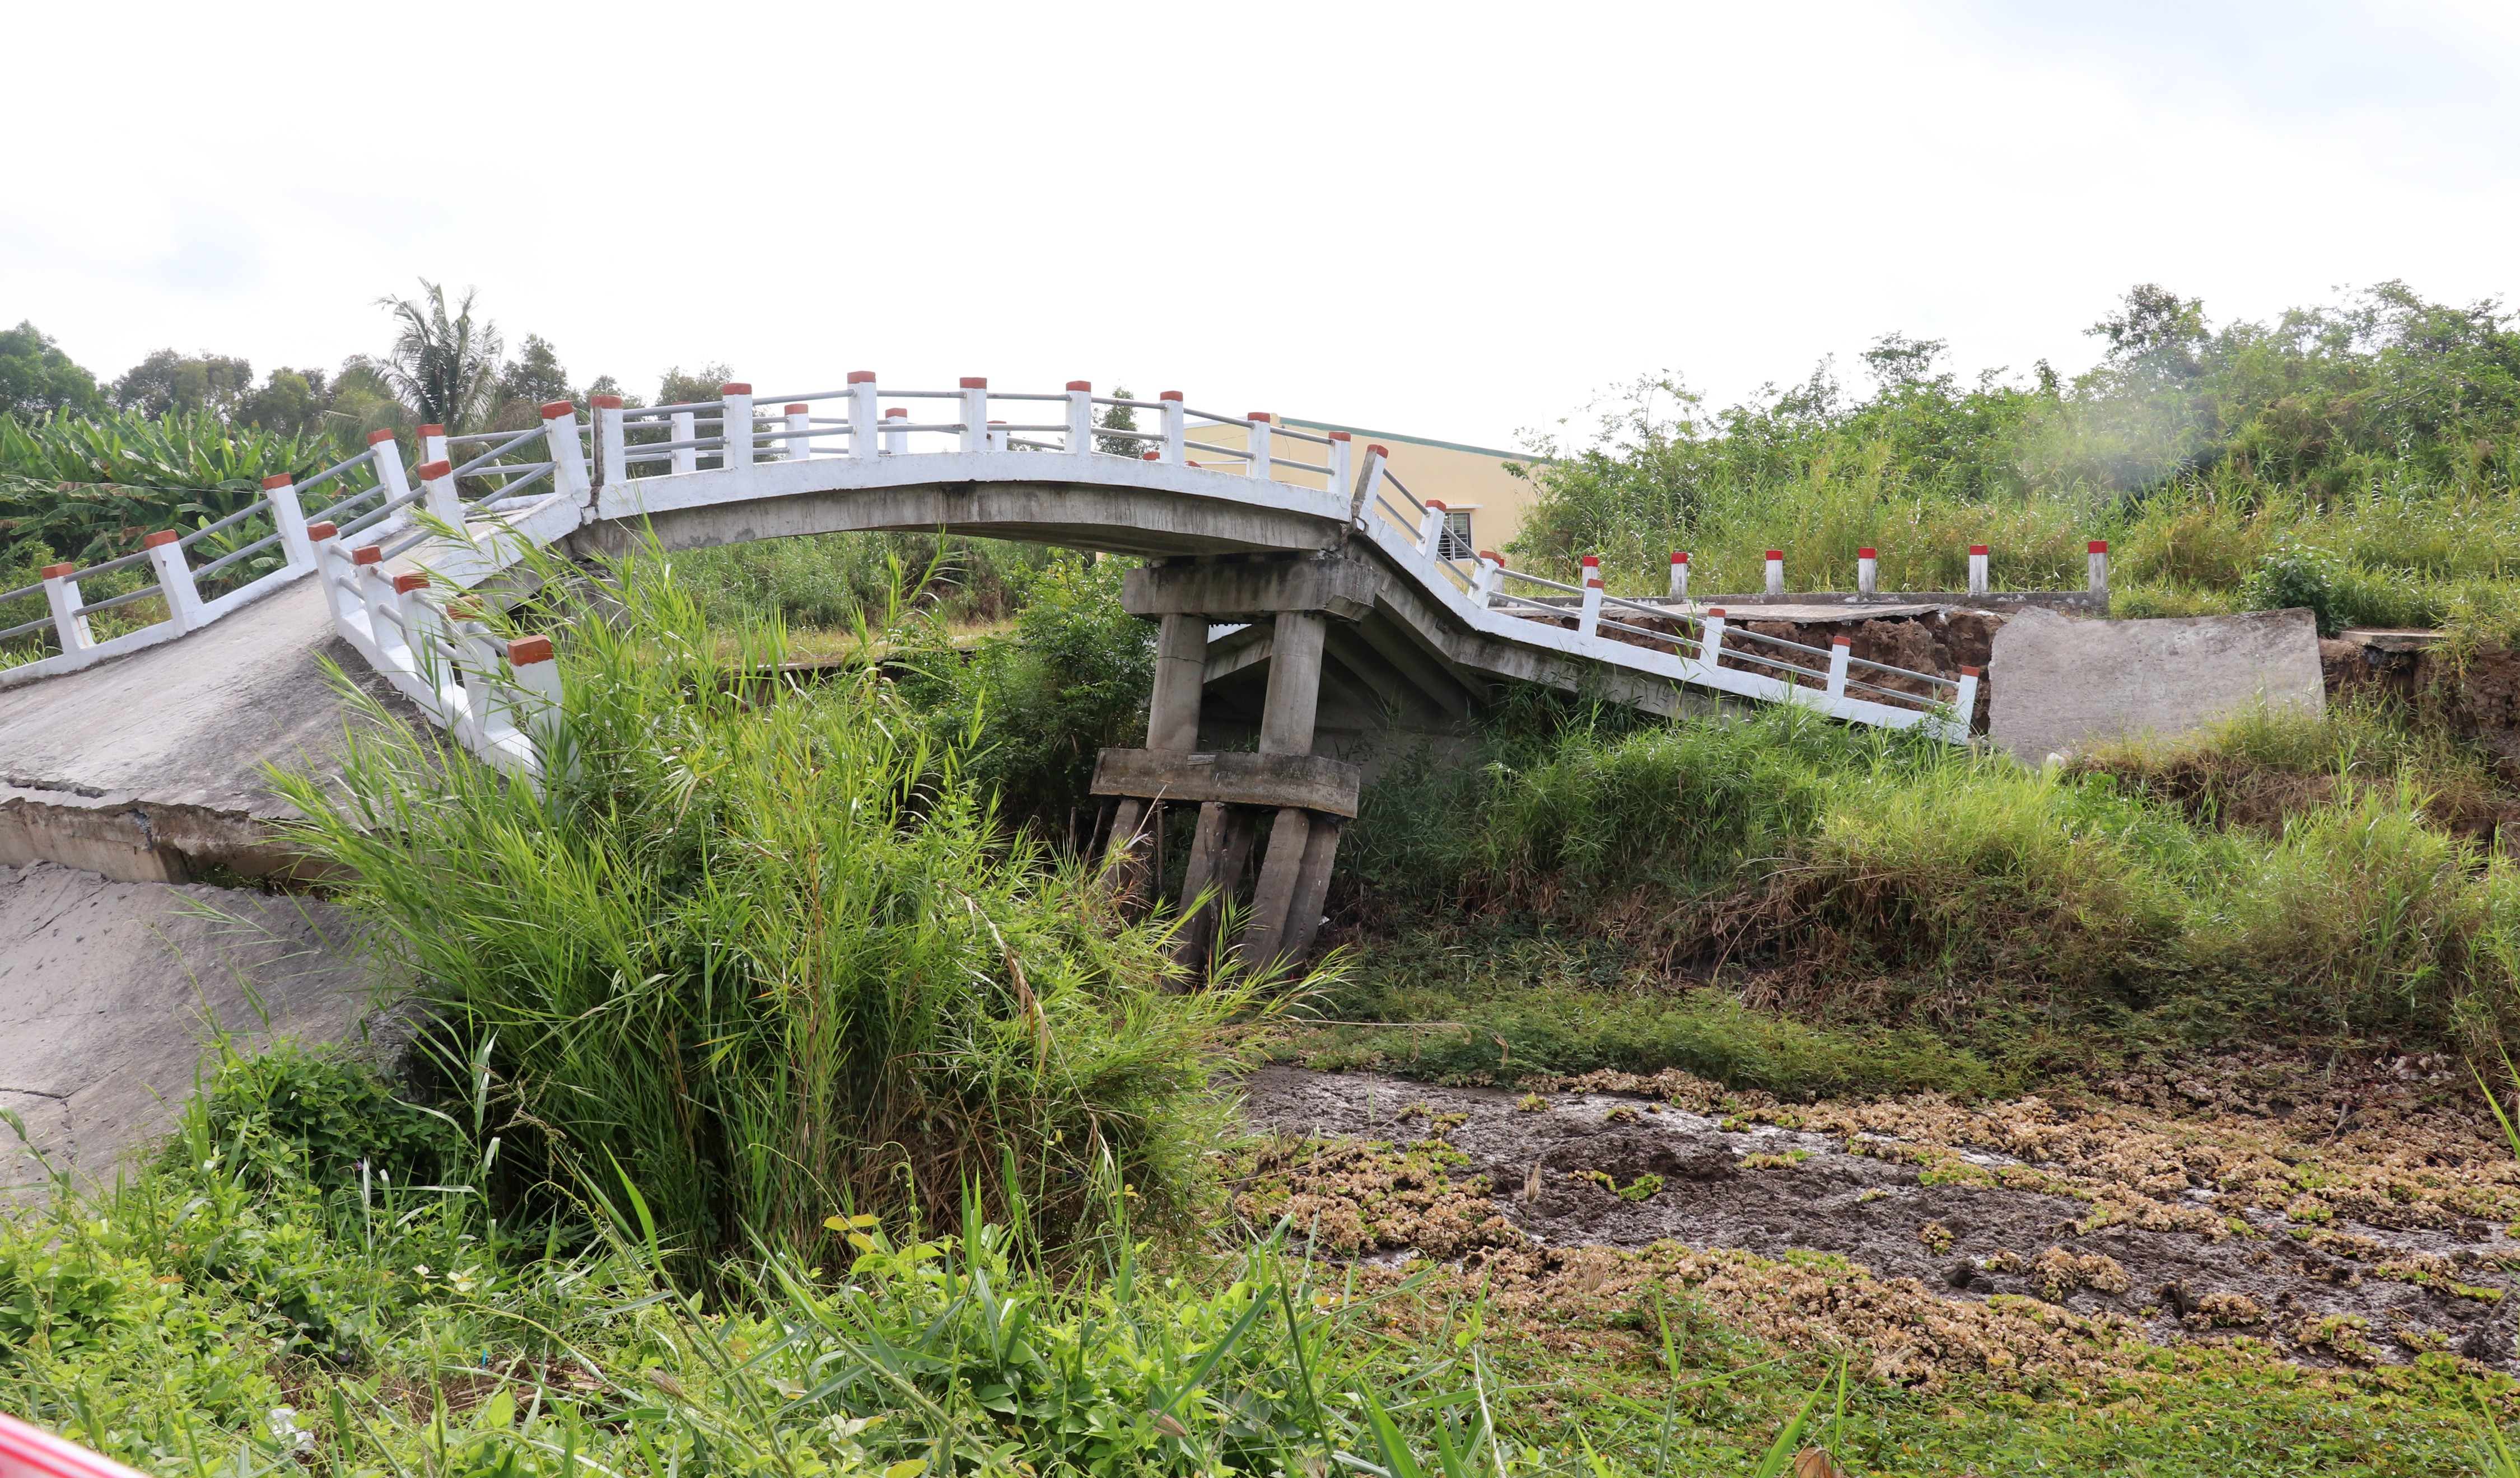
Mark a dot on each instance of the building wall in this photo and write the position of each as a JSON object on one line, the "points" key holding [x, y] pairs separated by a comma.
{"points": [[1457, 475]]}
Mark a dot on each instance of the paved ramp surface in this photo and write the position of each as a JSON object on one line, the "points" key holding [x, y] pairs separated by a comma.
{"points": [[108, 992], [149, 768]]}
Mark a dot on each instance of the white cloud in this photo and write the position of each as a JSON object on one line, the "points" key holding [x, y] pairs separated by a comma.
{"points": [[1452, 220]]}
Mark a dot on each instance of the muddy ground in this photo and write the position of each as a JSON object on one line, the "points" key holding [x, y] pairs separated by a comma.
{"points": [[2357, 1244]]}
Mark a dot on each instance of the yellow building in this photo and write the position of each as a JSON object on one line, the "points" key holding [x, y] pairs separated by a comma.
{"points": [[1485, 502]]}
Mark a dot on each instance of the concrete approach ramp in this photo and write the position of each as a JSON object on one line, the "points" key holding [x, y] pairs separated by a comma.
{"points": [[150, 768], [110, 992]]}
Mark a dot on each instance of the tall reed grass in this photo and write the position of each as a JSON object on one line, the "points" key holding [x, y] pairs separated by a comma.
{"points": [[764, 947]]}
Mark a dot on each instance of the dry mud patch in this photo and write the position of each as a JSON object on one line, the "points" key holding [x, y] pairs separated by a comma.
{"points": [[2004, 1239]]}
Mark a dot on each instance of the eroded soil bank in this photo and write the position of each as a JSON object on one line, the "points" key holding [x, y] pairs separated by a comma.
{"points": [[2365, 1227]]}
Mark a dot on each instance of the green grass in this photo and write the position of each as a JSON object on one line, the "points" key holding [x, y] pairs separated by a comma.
{"points": [[2359, 459], [764, 947], [1857, 880], [252, 1304]]}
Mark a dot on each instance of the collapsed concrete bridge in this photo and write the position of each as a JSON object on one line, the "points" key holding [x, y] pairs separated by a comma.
{"points": [[1307, 598]]}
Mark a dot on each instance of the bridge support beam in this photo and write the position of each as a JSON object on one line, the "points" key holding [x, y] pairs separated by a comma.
{"points": [[1311, 796]]}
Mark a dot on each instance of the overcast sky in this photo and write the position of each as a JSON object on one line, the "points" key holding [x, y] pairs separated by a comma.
{"points": [[1455, 221]]}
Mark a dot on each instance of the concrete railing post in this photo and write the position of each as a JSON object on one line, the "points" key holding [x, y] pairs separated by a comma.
{"points": [[1483, 591], [375, 597], [1362, 505], [174, 578], [333, 569], [976, 412], [1776, 571], [1000, 440], [1964, 704], [611, 442], [1840, 655], [61, 596], [800, 432], [1588, 619], [438, 493], [2098, 554], [560, 432], [1977, 569], [535, 697], [412, 608], [1868, 572], [896, 442], [1431, 528], [385, 453], [1170, 402], [735, 441], [1259, 444], [1080, 416], [1342, 458], [289, 518], [1710, 639], [476, 667], [862, 414], [432, 441], [1679, 575], [686, 428]]}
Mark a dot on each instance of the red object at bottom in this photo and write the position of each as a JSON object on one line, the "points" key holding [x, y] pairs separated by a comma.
{"points": [[30, 1451]]}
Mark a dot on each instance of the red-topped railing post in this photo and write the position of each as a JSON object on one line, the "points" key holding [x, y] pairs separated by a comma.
{"points": [[862, 414], [1868, 572], [976, 412], [1776, 571], [1977, 569], [1080, 416], [1431, 528], [735, 425], [1589, 619], [174, 578], [1175, 431], [288, 521], [612, 440], [1679, 575], [560, 433], [2099, 554], [62, 595]]}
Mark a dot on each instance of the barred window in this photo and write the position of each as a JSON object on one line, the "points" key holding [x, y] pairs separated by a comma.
{"points": [[1455, 542]]}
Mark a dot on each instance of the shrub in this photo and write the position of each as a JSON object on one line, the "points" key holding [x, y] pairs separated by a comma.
{"points": [[764, 948], [2293, 577]]}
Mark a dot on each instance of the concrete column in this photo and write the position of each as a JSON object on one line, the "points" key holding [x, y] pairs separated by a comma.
{"points": [[1126, 851], [1205, 873], [1181, 682], [1286, 727], [1273, 898], [1312, 884], [1294, 685]]}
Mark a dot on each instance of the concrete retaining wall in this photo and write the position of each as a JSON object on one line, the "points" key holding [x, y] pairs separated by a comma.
{"points": [[2061, 684]]}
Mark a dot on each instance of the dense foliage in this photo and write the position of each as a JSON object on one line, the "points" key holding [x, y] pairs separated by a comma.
{"points": [[2377, 439], [763, 945]]}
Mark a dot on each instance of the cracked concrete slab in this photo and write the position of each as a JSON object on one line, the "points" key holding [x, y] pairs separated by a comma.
{"points": [[110, 993], [150, 767]]}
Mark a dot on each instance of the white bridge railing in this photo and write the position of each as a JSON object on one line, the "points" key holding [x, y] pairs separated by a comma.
{"points": [[365, 500], [522, 489]]}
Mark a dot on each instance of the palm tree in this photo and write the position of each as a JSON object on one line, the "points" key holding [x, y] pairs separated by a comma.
{"points": [[446, 368]]}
